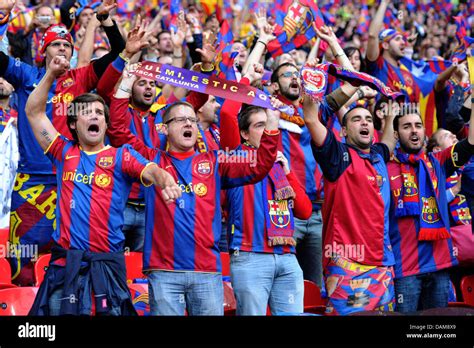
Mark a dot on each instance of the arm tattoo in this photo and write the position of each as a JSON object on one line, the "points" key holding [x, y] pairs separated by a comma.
{"points": [[45, 134]]}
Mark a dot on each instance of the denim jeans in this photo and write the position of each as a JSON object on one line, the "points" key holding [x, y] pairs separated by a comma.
{"points": [[134, 227], [259, 279], [422, 291], [309, 246], [171, 293]]}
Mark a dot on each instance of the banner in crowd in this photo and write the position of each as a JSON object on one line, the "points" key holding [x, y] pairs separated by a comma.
{"points": [[295, 21], [314, 80], [208, 84]]}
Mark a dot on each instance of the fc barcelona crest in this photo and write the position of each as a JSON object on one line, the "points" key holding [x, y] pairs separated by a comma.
{"points": [[106, 162], [409, 185], [279, 213], [203, 168], [430, 213]]}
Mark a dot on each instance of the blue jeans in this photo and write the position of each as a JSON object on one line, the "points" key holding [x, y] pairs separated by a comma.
{"points": [[134, 227], [422, 291], [171, 293], [259, 279], [309, 246]]}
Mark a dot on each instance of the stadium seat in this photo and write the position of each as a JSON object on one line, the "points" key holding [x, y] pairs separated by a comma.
{"points": [[17, 301], [230, 304], [134, 265], [467, 289], [41, 266], [225, 260], [5, 271], [313, 303], [4, 234]]}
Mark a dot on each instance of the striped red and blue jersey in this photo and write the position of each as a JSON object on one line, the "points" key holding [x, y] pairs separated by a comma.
{"points": [[149, 128], [92, 193], [357, 202], [247, 229], [25, 78], [411, 255], [297, 149], [184, 235]]}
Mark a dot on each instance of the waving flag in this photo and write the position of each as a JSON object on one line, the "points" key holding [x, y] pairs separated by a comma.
{"points": [[364, 19], [295, 25], [423, 90], [464, 40], [391, 20], [225, 58]]}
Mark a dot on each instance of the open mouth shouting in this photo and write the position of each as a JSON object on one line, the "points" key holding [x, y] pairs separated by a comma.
{"points": [[364, 133], [93, 130]]}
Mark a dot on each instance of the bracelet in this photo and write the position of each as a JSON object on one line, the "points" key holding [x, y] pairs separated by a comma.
{"points": [[127, 90], [360, 93], [123, 57], [262, 43], [339, 54], [208, 70]]}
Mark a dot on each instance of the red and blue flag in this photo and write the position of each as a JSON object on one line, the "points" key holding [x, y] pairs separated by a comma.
{"points": [[296, 21]]}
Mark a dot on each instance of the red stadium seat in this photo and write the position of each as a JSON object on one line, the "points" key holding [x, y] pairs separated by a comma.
{"points": [[467, 289], [17, 301], [225, 260], [4, 234], [5, 271], [134, 265], [313, 303], [41, 266]]}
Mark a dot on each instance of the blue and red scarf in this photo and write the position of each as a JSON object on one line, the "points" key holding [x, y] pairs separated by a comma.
{"points": [[458, 207], [278, 209], [418, 195]]}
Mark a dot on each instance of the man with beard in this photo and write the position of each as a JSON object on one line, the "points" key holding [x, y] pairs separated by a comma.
{"points": [[357, 258], [295, 143], [165, 45], [419, 217]]}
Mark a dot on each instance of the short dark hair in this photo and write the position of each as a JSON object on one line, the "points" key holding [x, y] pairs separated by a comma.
{"points": [[244, 115], [396, 120], [344, 118], [276, 72], [78, 104], [161, 33], [167, 113], [433, 140]]}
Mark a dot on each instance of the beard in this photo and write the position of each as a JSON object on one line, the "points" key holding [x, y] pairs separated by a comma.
{"points": [[289, 95]]}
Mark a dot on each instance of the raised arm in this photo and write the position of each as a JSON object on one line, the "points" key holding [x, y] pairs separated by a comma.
{"points": [[265, 35], [325, 33], [254, 166], [444, 77], [373, 49], [87, 46], [311, 118], [35, 109], [388, 137]]}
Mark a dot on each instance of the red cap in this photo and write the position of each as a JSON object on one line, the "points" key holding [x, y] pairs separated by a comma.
{"points": [[53, 33]]}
